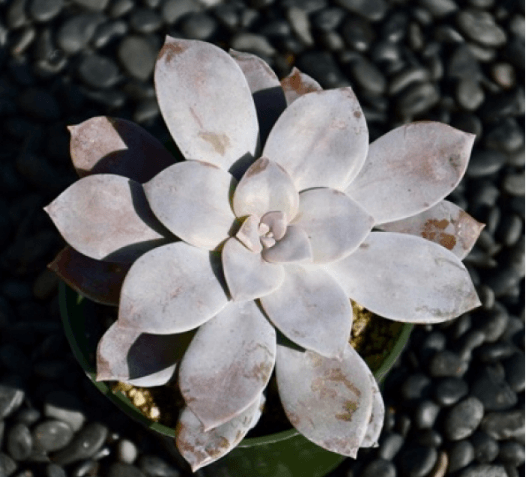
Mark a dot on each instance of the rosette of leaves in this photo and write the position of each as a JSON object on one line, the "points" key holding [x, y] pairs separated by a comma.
{"points": [[281, 213]]}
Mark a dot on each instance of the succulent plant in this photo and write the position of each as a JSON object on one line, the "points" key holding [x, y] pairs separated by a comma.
{"points": [[281, 213]]}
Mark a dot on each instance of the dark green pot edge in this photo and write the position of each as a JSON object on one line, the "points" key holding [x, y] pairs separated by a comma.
{"points": [[72, 305]]}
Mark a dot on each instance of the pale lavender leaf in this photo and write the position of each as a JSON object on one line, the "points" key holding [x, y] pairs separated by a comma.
{"points": [[100, 281], [200, 448], [321, 139], [297, 84], [293, 247], [406, 278], [277, 224], [265, 187], [141, 359], [410, 169], [376, 422], [117, 146], [206, 102], [228, 363], [172, 289], [266, 90], [192, 199], [247, 275], [327, 400], [106, 216], [445, 223], [334, 223], [312, 310], [248, 234]]}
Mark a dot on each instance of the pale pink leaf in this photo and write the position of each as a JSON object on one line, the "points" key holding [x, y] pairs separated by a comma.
{"points": [[312, 310], [293, 247], [321, 139], [247, 275], [327, 400], [406, 278], [100, 281], [334, 223], [297, 84], [265, 88], [410, 169], [172, 289], [106, 216], [200, 448], [228, 363], [117, 146], [206, 102], [445, 223], [141, 359], [376, 422], [265, 187], [192, 199]]}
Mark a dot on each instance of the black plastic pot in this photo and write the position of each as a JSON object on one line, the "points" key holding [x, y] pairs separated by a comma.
{"points": [[284, 454]]}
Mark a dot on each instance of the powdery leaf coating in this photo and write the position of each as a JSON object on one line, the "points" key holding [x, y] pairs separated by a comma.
{"points": [[293, 247], [117, 146], [321, 139], [297, 84], [247, 275], [328, 400], [445, 223], [172, 289], [410, 169], [374, 428], [198, 87], [141, 359], [265, 88], [312, 310], [334, 223], [97, 280], [105, 214], [228, 363], [265, 187], [192, 200], [200, 448], [406, 278]]}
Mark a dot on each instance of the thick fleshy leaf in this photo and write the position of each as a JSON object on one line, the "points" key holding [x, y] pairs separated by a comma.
{"points": [[335, 224], [106, 216], [445, 223], [200, 448], [228, 364], [192, 199], [374, 428], [297, 84], [265, 187], [327, 400], [247, 275], [321, 139], [97, 280], [293, 247], [172, 289], [248, 234], [117, 146], [312, 310], [406, 278], [266, 90], [206, 102], [141, 359], [410, 169]]}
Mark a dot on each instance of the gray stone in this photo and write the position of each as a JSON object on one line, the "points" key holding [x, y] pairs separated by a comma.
{"points": [[463, 418]]}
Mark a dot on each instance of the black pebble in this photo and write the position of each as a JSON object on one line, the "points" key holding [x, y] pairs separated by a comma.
{"points": [[19, 442], [463, 418], [145, 20], [52, 435], [425, 414], [137, 56], [76, 32], [417, 461], [98, 71], [85, 444], [379, 468], [45, 10], [492, 390], [486, 448]]}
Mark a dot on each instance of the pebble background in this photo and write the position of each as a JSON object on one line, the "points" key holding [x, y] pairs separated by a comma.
{"points": [[455, 401]]}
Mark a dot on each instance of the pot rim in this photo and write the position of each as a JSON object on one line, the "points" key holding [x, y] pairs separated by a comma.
{"points": [[70, 302]]}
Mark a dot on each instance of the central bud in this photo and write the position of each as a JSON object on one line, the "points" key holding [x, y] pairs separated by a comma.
{"points": [[257, 234]]}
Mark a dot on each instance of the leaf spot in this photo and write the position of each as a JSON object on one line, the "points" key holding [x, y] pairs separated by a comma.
{"points": [[219, 142]]}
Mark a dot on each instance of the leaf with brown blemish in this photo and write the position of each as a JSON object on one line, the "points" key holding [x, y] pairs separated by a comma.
{"points": [[376, 422], [200, 447], [327, 400], [445, 224], [297, 84], [228, 363], [410, 169]]}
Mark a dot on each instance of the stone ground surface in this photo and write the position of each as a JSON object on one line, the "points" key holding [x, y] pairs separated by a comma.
{"points": [[456, 398]]}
